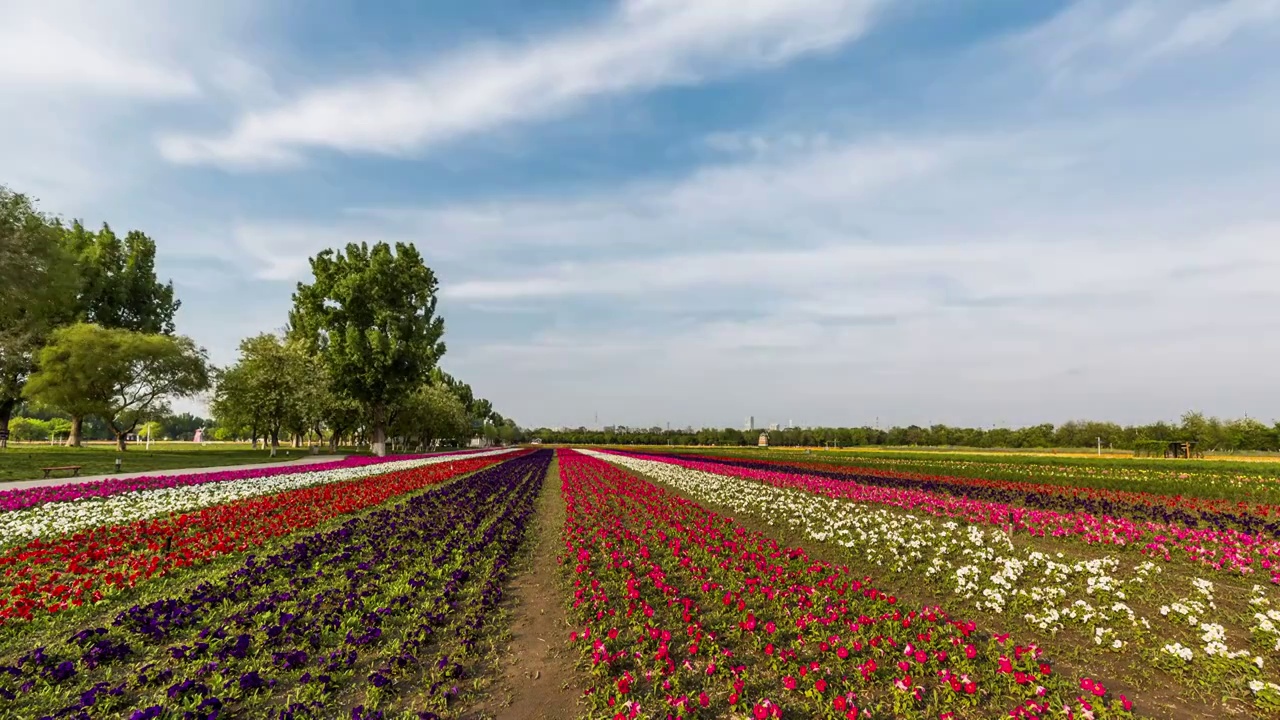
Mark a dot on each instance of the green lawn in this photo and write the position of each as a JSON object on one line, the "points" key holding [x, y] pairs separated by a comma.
{"points": [[22, 461]]}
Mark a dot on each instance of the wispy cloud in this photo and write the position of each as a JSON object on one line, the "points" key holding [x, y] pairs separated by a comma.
{"points": [[1100, 44], [82, 81], [98, 49], [643, 44]]}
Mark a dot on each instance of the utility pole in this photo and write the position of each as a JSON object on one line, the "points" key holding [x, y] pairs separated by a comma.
{"points": [[1099, 447]]}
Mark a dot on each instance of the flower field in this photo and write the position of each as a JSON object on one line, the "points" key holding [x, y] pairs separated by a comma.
{"points": [[1149, 601], [687, 587], [340, 618], [682, 611]]}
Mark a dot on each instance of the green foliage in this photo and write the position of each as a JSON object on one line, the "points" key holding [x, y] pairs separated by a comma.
{"points": [[1209, 434], [33, 269], [430, 414], [23, 462], [370, 317], [51, 275], [118, 286], [273, 386], [36, 278], [119, 375]]}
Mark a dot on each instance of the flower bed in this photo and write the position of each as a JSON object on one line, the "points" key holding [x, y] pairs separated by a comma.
{"points": [[1262, 519], [19, 498], [1218, 549], [50, 575], [186, 493], [381, 616], [683, 612], [1118, 608]]}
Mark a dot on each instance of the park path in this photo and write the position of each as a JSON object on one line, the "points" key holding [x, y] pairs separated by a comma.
{"points": [[309, 460]]}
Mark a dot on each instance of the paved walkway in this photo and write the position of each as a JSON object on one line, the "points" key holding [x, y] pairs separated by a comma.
{"points": [[308, 460]]}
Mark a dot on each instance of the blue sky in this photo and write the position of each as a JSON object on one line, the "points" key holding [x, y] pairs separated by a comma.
{"points": [[691, 211]]}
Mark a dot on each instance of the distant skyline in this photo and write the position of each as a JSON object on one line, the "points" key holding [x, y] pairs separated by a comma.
{"points": [[969, 212]]}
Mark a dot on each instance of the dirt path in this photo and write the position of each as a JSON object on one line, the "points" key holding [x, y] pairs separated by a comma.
{"points": [[537, 680]]}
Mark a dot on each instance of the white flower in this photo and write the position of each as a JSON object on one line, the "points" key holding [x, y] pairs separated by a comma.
{"points": [[59, 518]]}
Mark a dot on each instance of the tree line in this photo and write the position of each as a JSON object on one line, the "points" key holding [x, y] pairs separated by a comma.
{"points": [[87, 336], [1209, 433]]}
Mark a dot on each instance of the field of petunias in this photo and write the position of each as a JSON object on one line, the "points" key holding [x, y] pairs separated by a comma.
{"points": [[688, 586], [1184, 615]]}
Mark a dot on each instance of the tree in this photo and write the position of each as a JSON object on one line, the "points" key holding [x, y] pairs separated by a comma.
{"points": [[36, 281], [182, 427], [118, 286], [122, 376], [430, 414], [234, 404], [266, 390], [370, 315]]}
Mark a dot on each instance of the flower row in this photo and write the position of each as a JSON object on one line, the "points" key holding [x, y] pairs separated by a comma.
{"points": [[1213, 478], [1103, 599], [1217, 548], [19, 498], [1255, 518], [682, 612], [59, 518], [52, 575], [382, 615]]}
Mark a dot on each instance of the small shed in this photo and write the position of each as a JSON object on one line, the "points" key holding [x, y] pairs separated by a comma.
{"points": [[764, 440], [1182, 449], [1175, 449]]}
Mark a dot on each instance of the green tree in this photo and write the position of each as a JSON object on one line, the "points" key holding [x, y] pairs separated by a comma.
{"points": [[267, 390], [370, 315], [234, 405], [430, 414], [340, 414], [123, 377], [118, 286], [36, 286]]}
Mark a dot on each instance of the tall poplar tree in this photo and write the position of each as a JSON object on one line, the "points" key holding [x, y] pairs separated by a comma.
{"points": [[370, 316]]}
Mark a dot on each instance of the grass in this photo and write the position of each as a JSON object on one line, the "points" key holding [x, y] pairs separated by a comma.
{"points": [[22, 461]]}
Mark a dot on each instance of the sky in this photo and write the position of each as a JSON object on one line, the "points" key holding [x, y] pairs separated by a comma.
{"points": [[830, 212]]}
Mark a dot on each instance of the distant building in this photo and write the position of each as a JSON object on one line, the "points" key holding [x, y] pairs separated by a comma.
{"points": [[773, 427], [764, 439]]}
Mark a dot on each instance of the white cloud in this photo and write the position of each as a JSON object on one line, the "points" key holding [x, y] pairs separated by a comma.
{"points": [[81, 81], [97, 49], [644, 44], [1211, 26], [1099, 45]]}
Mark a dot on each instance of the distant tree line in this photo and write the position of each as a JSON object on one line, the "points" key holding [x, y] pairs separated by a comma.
{"points": [[88, 349], [1210, 434]]}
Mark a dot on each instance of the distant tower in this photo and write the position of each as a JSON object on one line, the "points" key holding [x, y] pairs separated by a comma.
{"points": [[751, 422]]}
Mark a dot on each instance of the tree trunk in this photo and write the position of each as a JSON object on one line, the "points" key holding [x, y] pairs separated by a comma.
{"points": [[275, 442], [297, 440], [73, 437], [333, 442], [6, 412], [378, 445], [120, 442]]}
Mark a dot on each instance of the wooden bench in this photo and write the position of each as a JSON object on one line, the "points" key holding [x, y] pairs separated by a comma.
{"points": [[75, 470]]}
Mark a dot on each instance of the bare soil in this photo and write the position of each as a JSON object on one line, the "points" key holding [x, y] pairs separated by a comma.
{"points": [[536, 675]]}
